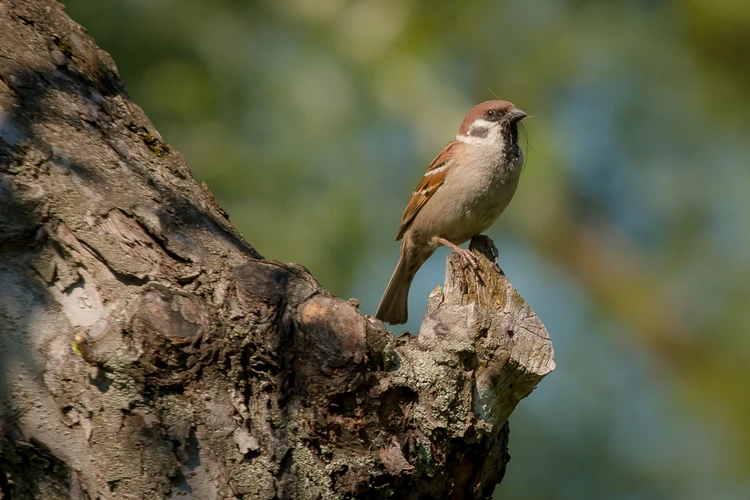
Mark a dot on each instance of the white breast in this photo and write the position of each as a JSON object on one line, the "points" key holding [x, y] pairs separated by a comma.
{"points": [[475, 194]]}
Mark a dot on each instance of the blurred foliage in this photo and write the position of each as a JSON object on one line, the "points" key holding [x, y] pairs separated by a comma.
{"points": [[312, 120]]}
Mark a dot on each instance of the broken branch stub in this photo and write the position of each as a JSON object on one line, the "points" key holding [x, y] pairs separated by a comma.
{"points": [[421, 417]]}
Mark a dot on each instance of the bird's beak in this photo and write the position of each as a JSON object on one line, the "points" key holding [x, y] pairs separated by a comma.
{"points": [[515, 115]]}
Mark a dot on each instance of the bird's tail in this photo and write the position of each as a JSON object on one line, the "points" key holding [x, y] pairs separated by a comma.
{"points": [[393, 306]]}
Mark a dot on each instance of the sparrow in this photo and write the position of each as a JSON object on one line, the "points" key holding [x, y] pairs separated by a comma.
{"points": [[464, 190]]}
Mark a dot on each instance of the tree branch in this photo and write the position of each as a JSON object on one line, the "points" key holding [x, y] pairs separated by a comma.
{"points": [[197, 367]]}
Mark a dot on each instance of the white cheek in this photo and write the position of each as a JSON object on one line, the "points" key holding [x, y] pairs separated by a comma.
{"points": [[494, 134], [481, 122]]}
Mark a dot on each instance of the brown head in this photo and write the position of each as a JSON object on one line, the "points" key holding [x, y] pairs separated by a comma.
{"points": [[489, 115]]}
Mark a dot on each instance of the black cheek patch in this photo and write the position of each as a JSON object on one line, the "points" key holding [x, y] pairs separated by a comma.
{"points": [[478, 131]]}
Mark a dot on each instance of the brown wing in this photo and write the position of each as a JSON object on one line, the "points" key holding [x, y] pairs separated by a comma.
{"points": [[433, 178]]}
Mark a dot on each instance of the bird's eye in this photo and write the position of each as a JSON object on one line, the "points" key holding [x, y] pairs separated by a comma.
{"points": [[491, 113]]}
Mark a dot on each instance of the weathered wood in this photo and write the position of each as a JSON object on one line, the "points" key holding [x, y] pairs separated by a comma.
{"points": [[147, 351]]}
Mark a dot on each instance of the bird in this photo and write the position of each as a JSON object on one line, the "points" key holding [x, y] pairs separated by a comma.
{"points": [[464, 190]]}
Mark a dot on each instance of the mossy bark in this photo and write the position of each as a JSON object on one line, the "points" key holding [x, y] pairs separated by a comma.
{"points": [[148, 351]]}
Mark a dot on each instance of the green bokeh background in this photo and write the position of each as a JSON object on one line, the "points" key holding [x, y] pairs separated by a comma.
{"points": [[312, 121]]}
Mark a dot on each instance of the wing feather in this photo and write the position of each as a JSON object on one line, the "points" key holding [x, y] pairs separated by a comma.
{"points": [[433, 178]]}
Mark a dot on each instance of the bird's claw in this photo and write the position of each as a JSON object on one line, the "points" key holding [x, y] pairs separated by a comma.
{"points": [[469, 257]]}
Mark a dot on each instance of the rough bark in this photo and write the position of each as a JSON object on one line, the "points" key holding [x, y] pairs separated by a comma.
{"points": [[147, 351]]}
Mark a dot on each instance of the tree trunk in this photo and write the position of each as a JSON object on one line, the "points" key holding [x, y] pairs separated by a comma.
{"points": [[147, 351]]}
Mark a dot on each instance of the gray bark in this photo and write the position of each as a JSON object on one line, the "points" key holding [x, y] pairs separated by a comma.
{"points": [[147, 351]]}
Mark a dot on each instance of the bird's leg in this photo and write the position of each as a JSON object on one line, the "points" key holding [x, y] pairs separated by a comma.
{"points": [[466, 255]]}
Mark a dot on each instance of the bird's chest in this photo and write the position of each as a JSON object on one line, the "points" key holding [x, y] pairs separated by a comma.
{"points": [[473, 197], [494, 185]]}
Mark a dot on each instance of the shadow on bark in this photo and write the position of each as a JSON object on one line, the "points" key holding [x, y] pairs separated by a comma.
{"points": [[146, 349]]}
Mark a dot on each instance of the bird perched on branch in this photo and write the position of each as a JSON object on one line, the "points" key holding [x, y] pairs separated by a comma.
{"points": [[464, 190]]}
